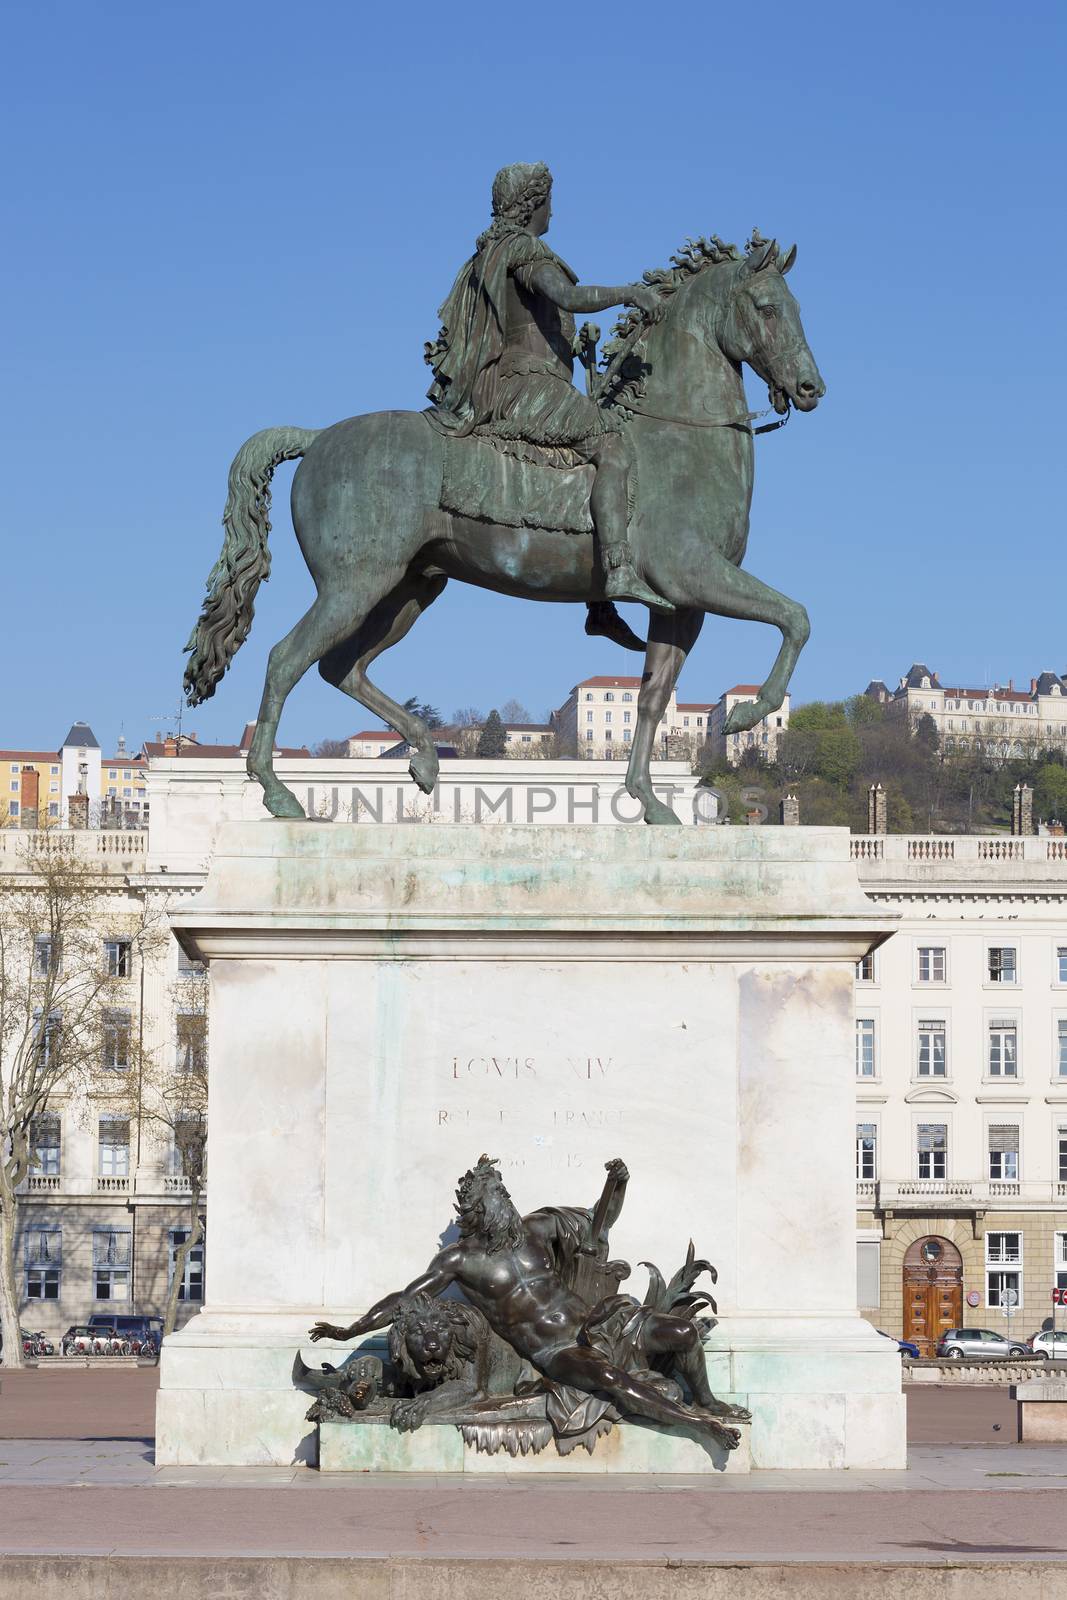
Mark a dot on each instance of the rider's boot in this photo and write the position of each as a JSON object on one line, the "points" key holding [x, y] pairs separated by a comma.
{"points": [[602, 619], [622, 582]]}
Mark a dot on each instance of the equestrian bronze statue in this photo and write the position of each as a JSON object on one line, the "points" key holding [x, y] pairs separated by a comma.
{"points": [[513, 480]]}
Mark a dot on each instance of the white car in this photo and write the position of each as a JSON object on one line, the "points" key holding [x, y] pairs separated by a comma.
{"points": [[1053, 1346]]}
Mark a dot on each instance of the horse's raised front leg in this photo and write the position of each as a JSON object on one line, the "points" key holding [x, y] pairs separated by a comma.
{"points": [[729, 592], [670, 640]]}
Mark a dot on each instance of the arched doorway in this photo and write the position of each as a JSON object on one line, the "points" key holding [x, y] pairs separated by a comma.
{"points": [[933, 1291]]}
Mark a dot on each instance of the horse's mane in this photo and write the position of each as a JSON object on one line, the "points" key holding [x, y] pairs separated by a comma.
{"points": [[624, 372]]}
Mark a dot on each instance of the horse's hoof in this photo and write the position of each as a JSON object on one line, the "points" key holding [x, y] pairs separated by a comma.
{"points": [[657, 812], [283, 803], [424, 770], [745, 716]]}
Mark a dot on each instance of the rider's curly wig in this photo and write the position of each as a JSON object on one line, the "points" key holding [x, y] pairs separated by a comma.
{"points": [[518, 190]]}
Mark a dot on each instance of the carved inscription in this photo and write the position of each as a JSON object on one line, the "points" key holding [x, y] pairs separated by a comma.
{"points": [[536, 1101]]}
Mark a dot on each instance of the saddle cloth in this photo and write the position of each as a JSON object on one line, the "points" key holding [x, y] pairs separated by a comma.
{"points": [[511, 484]]}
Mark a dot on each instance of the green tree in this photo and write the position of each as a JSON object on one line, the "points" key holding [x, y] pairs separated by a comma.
{"points": [[493, 740]]}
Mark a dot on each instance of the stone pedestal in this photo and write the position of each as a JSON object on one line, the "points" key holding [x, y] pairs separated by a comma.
{"points": [[388, 1003]]}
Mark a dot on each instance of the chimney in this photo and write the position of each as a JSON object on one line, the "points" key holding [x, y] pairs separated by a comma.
{"points": [[29, 798], [876, 809], [754, 818], [1033, 685], [789, 811], [1011, 685], [170, 745], [1022, 810], [78, 810]]}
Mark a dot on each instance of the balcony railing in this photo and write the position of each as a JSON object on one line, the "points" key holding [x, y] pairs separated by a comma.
{"points": [[43, 1183], [110, 1185], [960, 848], [176, 1185], [945, 1193], [120, 843]]}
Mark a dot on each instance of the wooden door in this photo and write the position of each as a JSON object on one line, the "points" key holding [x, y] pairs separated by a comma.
{"points": [[933, 1292]]}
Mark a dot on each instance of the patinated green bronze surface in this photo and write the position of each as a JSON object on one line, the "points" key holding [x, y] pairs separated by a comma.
{"points": [[648, 477]]}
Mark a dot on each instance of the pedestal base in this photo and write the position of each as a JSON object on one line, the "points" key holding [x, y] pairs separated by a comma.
{"points": [[387, 1003], [629, 1447]]}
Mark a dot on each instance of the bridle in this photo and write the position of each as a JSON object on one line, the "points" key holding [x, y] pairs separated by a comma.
{"points": [[741, 422], [744, 421]]}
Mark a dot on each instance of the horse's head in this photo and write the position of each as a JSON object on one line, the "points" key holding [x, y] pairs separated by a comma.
{"points": [[760, 324]]}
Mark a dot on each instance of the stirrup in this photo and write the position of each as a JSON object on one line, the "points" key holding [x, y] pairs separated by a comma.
{"points": [[623, 583]]}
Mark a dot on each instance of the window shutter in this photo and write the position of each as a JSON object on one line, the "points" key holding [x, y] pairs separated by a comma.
{"points": [[1004, 1138]]}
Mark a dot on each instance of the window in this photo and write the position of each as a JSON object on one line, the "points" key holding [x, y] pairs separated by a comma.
{"points": [[589, 733], [589, 716], [865, 969], [1061, 1154], [54, 771], [932, 963], [589, 697], [112, 773], [865, 1047], [1059, 1259], [932, 1149], [627, 696], [627, 733], [115, 1051], [1003, 1048], [42, 1250], [1004, 1279], [1061, 963], [866, 1150], [192, 1284], [45, 955], [44, 1147], [53, 809], [50, 1037], [932, 1057], [111, 1263], [1003, 1144], [607, 716], [13, 808], [192, 1041], [114, 1146], [607, 735], [117, 958], [1002, 964], [608, 695], [627, 715], [1061, 1047]]}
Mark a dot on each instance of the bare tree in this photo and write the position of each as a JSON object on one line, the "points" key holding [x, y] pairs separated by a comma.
{"points": [[178, 1107], [59, 983], [514, 711], [330, 749]]}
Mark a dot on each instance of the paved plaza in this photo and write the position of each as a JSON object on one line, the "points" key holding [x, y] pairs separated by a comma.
{"points": [[100, 1495]]}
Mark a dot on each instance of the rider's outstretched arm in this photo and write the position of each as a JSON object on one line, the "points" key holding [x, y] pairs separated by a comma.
{"points": [[435, 1280], [557, 287]]}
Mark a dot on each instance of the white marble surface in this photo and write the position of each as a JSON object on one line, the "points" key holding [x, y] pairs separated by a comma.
{"points": [[387, 1004], [348, 1447]]}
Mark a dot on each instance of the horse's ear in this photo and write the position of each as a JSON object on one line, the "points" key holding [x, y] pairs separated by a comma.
{"points": [[761, 257], [787, 260]]}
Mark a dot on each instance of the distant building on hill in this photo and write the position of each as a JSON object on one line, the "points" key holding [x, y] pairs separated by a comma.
{"points": [[1002, 722]]}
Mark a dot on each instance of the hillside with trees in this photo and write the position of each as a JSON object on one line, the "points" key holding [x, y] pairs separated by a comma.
{"points": [[833, 751]]}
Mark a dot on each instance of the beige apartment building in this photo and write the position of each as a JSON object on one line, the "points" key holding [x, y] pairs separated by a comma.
{"points": [[1002, 721], [763, 738], [961, 1085], [598, 718], [104, 1208]]}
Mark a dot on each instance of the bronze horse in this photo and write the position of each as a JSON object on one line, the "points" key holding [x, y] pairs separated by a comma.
{"points": [[366, 509]]}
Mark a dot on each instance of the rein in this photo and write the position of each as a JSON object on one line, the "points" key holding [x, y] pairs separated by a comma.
{"points": [[728, 422]]}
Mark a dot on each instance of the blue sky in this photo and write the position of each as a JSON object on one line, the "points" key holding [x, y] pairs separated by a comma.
{"points": [[230, 215]]}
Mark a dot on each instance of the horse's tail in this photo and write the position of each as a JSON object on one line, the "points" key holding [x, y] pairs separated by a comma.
{"points": [[244, 562]]}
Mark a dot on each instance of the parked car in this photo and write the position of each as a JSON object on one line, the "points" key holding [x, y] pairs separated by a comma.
{"points": [[132, 1335], [980, 1344], [1050, 1344], [78, 1340], [905, 1346]]}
